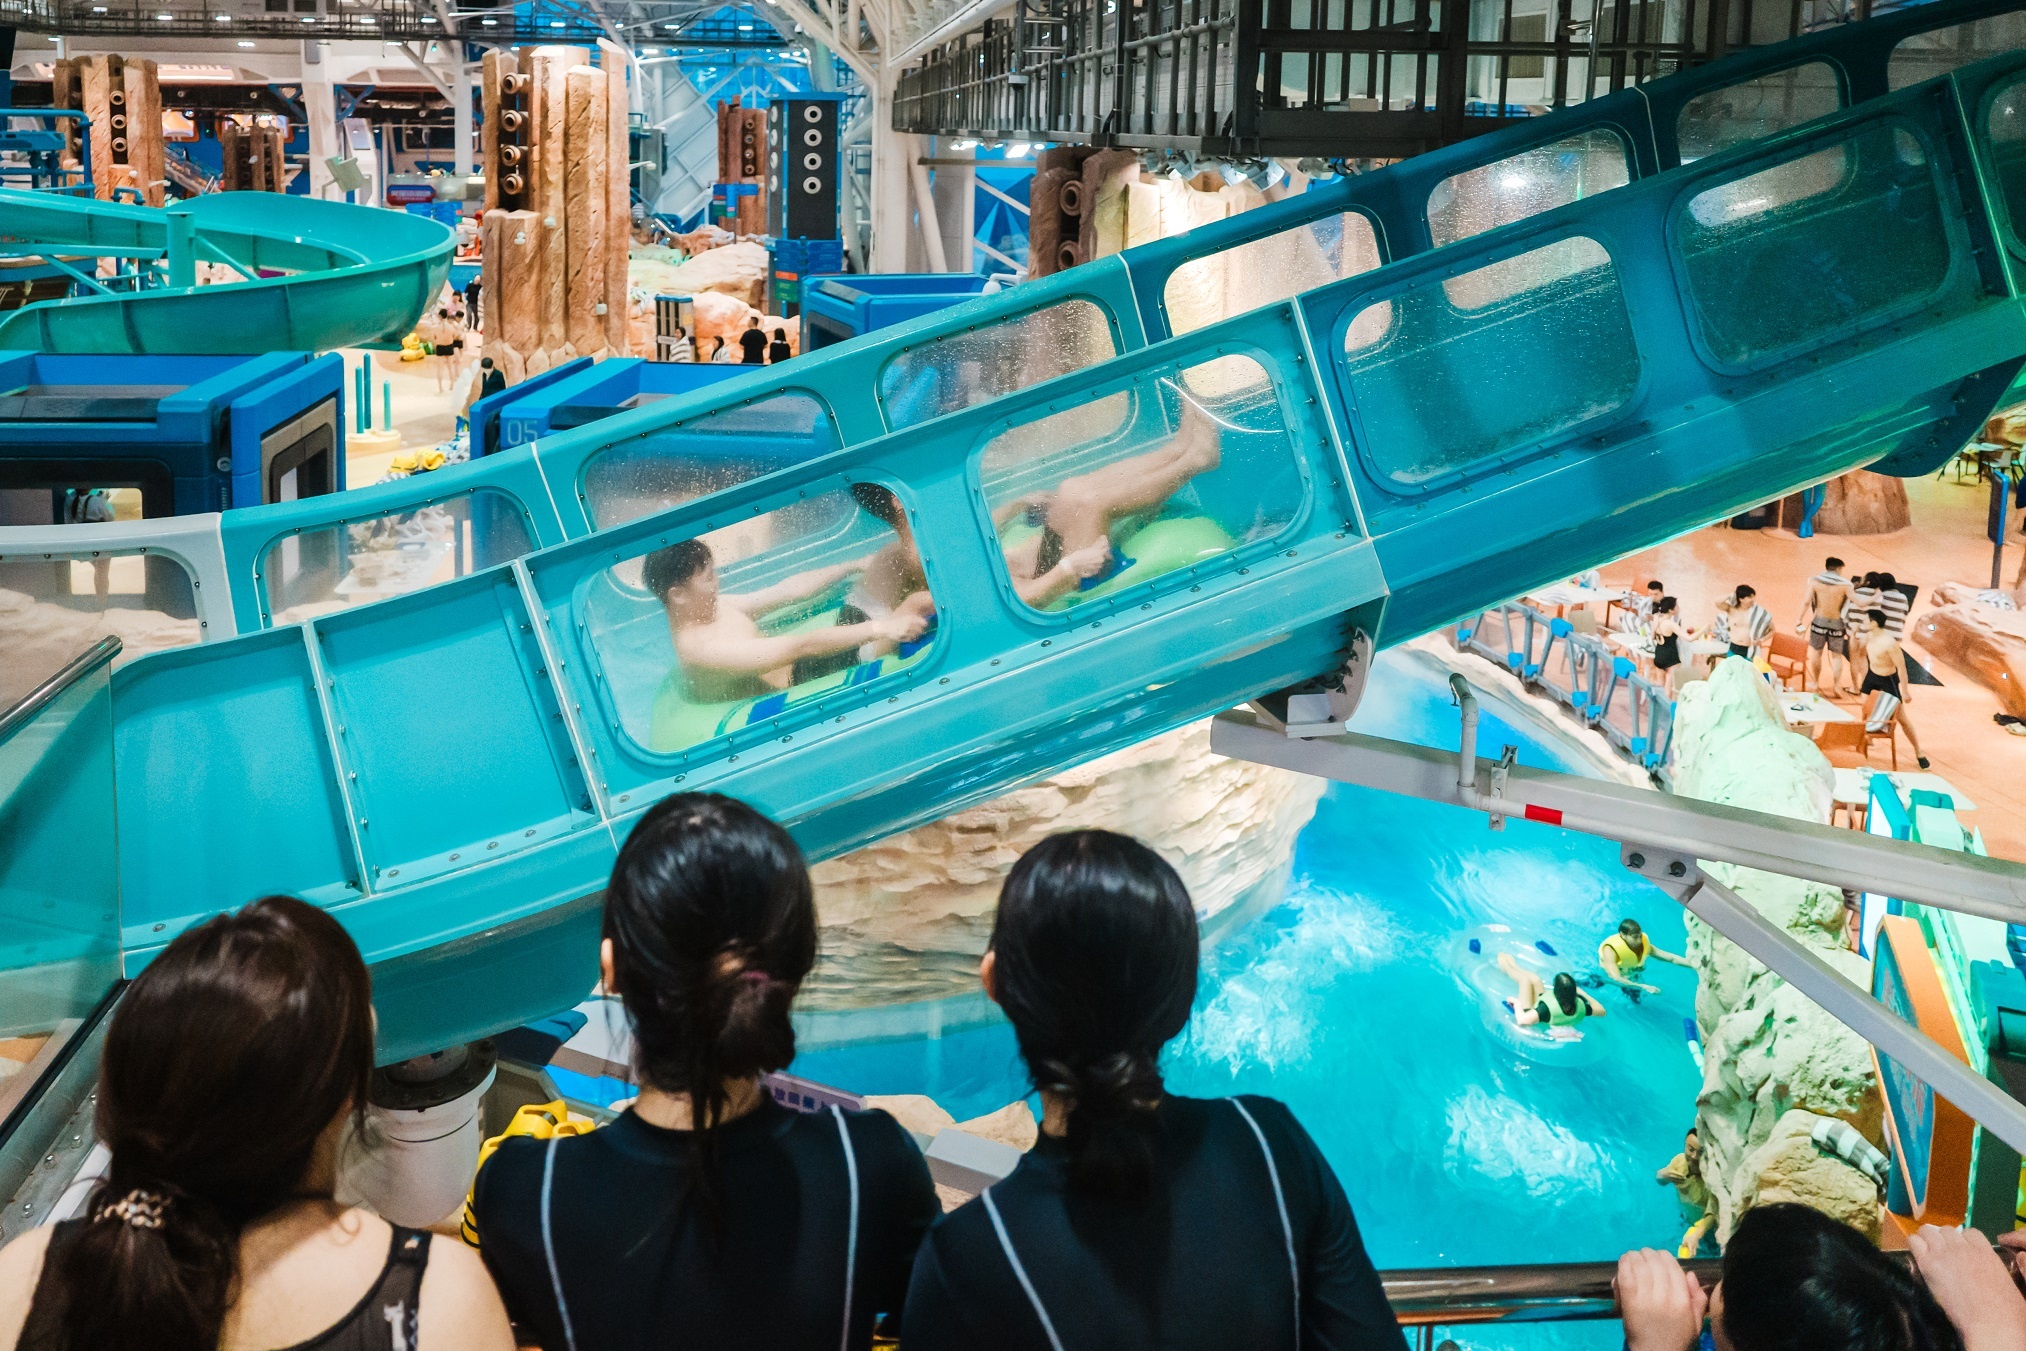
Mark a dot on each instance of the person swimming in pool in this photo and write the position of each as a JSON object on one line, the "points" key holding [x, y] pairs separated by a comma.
{"points": [[1076, 518], [1565, 1005], [1623, 957], [724, 656]]}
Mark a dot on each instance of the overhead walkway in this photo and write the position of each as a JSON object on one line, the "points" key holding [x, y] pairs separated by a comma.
{"points": [[317, 275], [1409, 433]]}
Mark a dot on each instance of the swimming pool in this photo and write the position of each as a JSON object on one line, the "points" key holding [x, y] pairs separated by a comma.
{"points": [[1344, 1002]]}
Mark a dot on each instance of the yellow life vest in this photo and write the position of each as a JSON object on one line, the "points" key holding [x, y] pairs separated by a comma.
{"points": [[537, 1120], [1630, 963]]}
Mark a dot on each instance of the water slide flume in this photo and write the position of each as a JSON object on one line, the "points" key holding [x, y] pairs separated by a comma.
{"points": [[350, 275]]}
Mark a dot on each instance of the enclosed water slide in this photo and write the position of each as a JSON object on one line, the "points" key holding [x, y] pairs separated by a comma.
{"points": [[314, 275], [1422, 390]]}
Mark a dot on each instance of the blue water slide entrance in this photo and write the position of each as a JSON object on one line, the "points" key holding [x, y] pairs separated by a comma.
{"points": [[1452, 379]]}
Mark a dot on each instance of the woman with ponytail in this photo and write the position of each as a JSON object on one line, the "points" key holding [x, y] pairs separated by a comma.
{"points": [[233, 1066], [1140, 1219], [707, 1214]]}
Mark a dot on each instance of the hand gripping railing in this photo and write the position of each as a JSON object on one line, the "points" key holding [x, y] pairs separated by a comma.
{"points": [[1429, 1297]]}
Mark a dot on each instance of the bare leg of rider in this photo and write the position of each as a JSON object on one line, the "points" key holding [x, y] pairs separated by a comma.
{"points": [[1085, 506]]}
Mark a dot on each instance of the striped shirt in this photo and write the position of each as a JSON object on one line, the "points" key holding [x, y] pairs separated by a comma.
{"points": [[1895, 605], [1862, 600]]}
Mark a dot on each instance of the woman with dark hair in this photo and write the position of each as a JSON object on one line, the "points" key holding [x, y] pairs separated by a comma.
{"points": [[232, 1068], [778, 350], [1796, 1280], [1140, 1219], [707, 1214]]}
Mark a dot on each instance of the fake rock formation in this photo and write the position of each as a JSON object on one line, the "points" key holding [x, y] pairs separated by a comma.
{"points": [[1768, 1049]]}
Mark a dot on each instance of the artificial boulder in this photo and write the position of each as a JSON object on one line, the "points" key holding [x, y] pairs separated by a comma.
{"points": [[1863, 503], [907, 918], [1789, 1167], [1985, 642], [1767, 1048]]}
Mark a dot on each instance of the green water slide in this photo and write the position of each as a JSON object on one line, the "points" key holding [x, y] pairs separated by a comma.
{"points": [[316, 275]]}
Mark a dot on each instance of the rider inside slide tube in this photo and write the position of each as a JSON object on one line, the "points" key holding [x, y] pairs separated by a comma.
{"points": [[1624, 955], [1563, 1006]]}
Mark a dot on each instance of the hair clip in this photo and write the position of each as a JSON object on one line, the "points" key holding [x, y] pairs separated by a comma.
{"points": [[138, 1209]]}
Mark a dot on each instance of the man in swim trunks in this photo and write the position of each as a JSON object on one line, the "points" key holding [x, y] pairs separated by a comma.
{"points": [[1564, 1006], [1822, 617], [723, 654], [1885, 676], [1624, 955], [1743, 623], [1076, 520]]}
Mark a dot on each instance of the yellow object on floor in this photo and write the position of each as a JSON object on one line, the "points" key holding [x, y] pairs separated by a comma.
{"points": [[536, 1120]]}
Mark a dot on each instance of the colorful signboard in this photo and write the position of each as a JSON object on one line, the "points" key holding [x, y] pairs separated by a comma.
{"points": [[1931, 1137]]}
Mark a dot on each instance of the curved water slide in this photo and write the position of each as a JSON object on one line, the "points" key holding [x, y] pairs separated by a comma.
{"points": [[1408, 433], [345, 275]]}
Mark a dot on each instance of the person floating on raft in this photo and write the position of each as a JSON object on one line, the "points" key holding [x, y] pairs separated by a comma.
{"points": [[724, 656], [1072, 549], [1560, 1010], [1624, 955]]}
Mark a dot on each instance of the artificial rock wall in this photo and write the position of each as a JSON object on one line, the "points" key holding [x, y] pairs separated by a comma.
{"points": [[1983, 641], [907, 918], [556, 266], [119, 96], [1773, 1061]]}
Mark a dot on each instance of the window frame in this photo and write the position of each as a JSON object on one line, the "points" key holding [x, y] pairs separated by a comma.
{"points": [[1112, 328], [1189, 577], [1597, 428]]}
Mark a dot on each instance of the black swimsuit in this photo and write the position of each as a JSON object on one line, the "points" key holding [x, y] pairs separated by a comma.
{"points": [[394, 1299], [1888, 684], [1667, 652]]}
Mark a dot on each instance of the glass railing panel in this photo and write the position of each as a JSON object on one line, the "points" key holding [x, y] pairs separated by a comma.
{"points": [[1467, 370], [53, 607], [59, 869], [1527, 184], [703, 637], [961, 369], [1866, 217], [1939, 51], [335, 567], [1752, 110], [2005, 125], [1189, 463], [1268, 271], [698, 456]]}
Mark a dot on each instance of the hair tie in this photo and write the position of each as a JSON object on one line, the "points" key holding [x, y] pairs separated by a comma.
{"points": [[138, 1209], [755, 977]]}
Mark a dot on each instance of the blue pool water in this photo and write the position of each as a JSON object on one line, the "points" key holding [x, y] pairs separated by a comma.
{"points": [[1344, 1002]]}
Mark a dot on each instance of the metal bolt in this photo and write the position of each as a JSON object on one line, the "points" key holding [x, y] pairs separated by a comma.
{"points": [[1636, 860], [1677, 869]]}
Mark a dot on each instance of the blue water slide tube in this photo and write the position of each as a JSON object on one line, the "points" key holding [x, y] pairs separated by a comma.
{"points": [[1597, 377]]}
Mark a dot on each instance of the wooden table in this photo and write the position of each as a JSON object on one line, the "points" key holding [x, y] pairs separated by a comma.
{"points": [[1811, 708], [1562, 597]]}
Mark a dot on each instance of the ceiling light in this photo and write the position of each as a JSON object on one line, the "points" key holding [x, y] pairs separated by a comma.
{"points": [[490, 23], [556, 23], [244, 43], [745, 28], [165, 17]]}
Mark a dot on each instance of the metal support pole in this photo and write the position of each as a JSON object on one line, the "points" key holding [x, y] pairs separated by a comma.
{"points": [[1735, 918], [182, 249], [460, 118], [2001, 485]]}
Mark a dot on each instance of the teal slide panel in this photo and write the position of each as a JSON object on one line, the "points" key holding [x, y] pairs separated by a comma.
{"points": [[207, 733], [356, 274], [416, 683], [59, 850]]}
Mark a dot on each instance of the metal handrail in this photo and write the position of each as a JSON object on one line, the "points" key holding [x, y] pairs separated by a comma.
{"points": [[76, 669], [1543, 1293], [1551, 1292]]}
